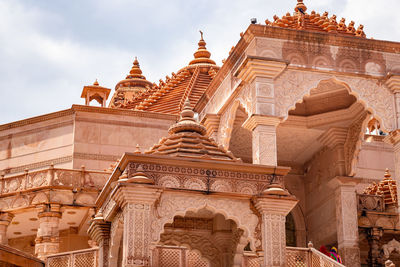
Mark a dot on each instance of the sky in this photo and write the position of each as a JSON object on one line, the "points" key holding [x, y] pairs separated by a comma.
{"points": [[50, 49]]}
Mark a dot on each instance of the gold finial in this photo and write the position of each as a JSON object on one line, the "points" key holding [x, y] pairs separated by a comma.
{"points": [[138, 149], [300, 7], [96, 83], [135, 72], [202, 55]]}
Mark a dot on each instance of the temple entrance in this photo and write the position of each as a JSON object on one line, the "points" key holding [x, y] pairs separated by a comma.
{"points": [[201, 239]]}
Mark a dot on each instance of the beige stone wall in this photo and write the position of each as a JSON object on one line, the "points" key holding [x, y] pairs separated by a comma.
{"points": [[100, 138], [36, 143]]}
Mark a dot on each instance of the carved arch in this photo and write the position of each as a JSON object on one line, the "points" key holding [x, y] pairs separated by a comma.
{"points": [[227, 121], [239, 211], [292, 86]]}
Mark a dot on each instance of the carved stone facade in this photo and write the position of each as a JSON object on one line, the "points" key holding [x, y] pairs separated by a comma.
{"points": [[284, 121]]}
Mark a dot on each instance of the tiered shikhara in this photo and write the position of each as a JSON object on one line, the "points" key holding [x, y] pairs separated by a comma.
{"points": [[386, 188]]}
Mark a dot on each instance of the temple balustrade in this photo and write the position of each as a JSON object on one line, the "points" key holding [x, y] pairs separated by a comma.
{"points": [[55, 178], [78, 258]]}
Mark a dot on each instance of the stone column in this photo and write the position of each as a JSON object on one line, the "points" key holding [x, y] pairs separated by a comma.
{"points": [[136, 198], [264, 138], [394, 85], [5, 220], [347, 219], [99, 231], [274, 204], [374, 257], [47, 239]]}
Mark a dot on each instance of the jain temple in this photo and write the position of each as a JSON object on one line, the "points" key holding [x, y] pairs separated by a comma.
{"points": [[288, 150]]}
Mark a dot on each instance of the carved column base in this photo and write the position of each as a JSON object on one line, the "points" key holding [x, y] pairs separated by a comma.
{"points": [[46, 246]]}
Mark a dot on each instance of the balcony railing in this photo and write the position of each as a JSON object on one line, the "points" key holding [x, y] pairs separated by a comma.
{"points": [[78, 258], [53, 177], [181, 257]]}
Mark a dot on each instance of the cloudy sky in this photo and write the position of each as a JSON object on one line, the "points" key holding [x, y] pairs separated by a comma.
{"points": [[50, 49]]}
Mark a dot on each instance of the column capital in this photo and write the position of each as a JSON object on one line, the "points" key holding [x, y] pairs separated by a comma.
{"points": [[333, 137], [6, 218], [126, 193], [393, 82], [211, 122], [255, 120], [253, 67], [275, 204], [99, 229], [49, 210], [342, 181]]}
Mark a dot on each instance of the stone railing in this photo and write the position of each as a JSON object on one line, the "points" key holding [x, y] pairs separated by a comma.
{"points": [[53, 177], [78, 258], [308, 257], [370, 203]]}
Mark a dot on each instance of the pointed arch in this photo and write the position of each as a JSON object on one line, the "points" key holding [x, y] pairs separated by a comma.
{"points": [[292, 86]]}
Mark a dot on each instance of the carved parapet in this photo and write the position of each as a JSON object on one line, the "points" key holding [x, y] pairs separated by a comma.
{"points": [[370, 203], [260, 66]]}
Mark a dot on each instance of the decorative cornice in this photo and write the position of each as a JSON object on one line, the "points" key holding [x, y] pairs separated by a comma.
{"points": [[339, 181], [211, 122], [394, 139], [252, 122], [253, 67], [126, 193]]}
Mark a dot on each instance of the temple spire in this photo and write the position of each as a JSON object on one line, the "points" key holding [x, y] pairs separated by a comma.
{"points": [[202, 55], [135, 72]]}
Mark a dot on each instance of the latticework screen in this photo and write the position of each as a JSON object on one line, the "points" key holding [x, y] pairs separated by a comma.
{"points": [[170, 257], [195, 260], [84, 259], [297, 258], [60, 261]]}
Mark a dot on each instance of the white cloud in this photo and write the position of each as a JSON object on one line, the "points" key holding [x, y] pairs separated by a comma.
{"points": [[49, 50]]}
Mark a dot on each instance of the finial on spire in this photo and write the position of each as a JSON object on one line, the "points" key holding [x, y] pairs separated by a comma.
{"points": [[135, 72], [202, 55], [300, 7], [96, 83]]}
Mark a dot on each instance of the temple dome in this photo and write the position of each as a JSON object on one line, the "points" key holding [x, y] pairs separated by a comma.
{"points": [[188, 138]]}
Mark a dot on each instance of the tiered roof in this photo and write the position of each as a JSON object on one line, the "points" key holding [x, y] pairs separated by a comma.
{"points": [[188, 138], [169, 95], [133, 85], [386, 188], [301, 20]]}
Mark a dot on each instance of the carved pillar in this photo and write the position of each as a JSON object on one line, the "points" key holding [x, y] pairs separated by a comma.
{"points": [[47, 239], [211, 122], [99, 231], [264, 138], [274, 204], [137, 203], [394, 84], [374, 257], [347, 219], [5, 219]]}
